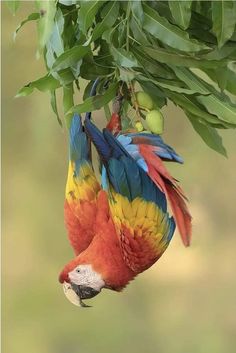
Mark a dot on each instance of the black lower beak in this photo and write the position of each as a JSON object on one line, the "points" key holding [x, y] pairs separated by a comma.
{"points": [[87, 292], [84, 292]]}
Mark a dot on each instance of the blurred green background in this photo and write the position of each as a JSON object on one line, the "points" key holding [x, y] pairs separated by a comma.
{"points": [[184, 303]]}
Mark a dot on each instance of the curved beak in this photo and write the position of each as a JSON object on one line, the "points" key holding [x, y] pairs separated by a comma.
{"points": [[75, 293]]}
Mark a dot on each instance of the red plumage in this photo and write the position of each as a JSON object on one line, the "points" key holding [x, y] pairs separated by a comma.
{"points": [[103, 248], [79, 219], [114, 124]]}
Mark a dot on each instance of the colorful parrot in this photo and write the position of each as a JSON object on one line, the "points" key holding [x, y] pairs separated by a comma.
{"points": [[149, 150], [117, 229]]}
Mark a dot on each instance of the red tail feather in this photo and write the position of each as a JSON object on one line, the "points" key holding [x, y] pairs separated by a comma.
{"points": [[181, 213], [162, 178]]}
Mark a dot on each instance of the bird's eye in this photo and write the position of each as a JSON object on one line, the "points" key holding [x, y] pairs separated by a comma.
{"points": [[78, 270]]}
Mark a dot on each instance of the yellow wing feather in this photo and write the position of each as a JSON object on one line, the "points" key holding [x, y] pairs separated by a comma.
{"points": [[142, 228], [82, 187]]}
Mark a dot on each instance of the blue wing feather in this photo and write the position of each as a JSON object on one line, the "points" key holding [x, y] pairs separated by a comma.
{"points": [[163, 150], [150, 192], [125, 175], [118, 177], [79, 146], [104, 179], [98, 139], [171, 230], [133, 177], [117, 147]]}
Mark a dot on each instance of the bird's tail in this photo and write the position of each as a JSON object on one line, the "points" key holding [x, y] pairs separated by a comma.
{"points": [[180, 211], [162, 178]]}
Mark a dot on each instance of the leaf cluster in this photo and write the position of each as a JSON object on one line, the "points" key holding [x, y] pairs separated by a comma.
{"points": [[182, 51]]}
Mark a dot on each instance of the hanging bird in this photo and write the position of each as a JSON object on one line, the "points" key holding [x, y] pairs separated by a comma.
{"points": [[117, 230], [149, 151]]}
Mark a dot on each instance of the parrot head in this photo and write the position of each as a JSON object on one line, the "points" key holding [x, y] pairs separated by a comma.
{"points": [[80, 282]]}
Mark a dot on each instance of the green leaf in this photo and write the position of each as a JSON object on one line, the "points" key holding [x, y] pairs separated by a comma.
{"points": [[56, 40], [225, 78], [68, 102], [55, 45], [205, 9], [47, 10], [152, 66], [214, 102], [126, 75], [199, 33], [137, 10], [96, 69], [192, 106], [175, 88], [72, 34], [54, 106], [167, 33], [162, 8], [224, 20], [138, 33], [87, 90], [123, 58], [70, 57], [181, 12], [227, 51], [209, 134], [64, 76], [87, 12], [43, 84], [32, 17], [13, 5], [98, 101], [170, 85], [190, 80], [111, 10], [167, 57], [223, 75]]}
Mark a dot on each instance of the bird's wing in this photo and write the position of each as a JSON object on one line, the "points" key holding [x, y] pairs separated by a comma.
{"points": [[137, 206], [81, 190], [149, 150], [159, 147], [144, 230]]}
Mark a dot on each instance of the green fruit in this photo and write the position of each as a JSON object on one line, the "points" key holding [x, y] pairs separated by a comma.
{"points": [[139, 126], [155, 121], [144, 100]]}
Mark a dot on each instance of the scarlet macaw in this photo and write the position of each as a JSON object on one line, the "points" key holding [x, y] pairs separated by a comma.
{"points": [[117, 230]]}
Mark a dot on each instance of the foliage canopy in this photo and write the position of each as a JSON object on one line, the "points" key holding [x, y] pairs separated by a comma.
{"points": [[182, 51]]}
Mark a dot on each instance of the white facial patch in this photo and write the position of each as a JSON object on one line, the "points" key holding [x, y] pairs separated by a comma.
{"points": [[84, 275]]}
